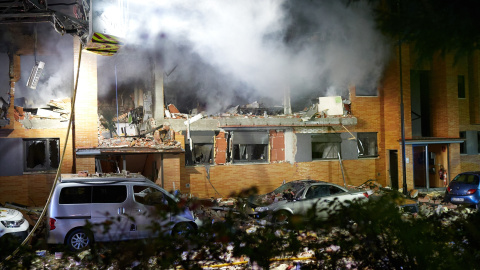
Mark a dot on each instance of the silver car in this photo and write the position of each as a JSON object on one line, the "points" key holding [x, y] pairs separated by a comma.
{"points": [[300, 196], [112, 207]]}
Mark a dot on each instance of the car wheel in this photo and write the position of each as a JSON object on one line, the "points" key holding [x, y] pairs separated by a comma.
{"points": [[182, 229], [79, 239], [281, 217]]}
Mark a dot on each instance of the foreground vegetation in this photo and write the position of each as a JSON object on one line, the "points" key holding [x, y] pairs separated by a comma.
{"points": [[374, 235]]}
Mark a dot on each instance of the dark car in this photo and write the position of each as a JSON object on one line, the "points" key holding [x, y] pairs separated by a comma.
{"points": [[464, 189]]}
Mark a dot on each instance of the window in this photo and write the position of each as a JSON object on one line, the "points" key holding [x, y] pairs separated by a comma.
{"points": [[478, 142], [201, 152], [367, 144], [461, 86], [150, 196], [319, 191], [250, 152], [41, 154], [250, 146], [463, 148], [75, 195], [109, 194], [369, 87], [467, 179], [96, 194], [326, 146]]}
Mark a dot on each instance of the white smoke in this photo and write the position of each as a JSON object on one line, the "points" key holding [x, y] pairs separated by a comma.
{"points": [[56, 81], [258, 45]]}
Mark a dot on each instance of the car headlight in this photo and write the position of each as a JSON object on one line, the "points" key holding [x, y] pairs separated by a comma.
{"points": [[261, 209], [13, 223]]}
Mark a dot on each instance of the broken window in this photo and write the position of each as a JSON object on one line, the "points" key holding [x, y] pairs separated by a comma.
{"points": [[367, 144], [201, 151], [326, 146], [250, 146], [41, 154]]}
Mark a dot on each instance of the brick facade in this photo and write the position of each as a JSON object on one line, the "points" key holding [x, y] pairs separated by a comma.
{"points": [[380, 114]]}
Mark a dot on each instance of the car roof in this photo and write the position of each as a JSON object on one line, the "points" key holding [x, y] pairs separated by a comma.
{"points": [[306, 181], [471, 172], [103, 178]]}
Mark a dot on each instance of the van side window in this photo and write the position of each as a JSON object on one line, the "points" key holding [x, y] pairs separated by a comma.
{"points": [[148, 195], [75, 195], [109, 194]]}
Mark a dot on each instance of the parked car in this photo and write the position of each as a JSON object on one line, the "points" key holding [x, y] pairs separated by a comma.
{"points": [[464, 189], [80, 201], [297, 197], [12, 223]]}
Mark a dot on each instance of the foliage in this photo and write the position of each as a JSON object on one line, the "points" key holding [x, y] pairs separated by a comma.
{"points": [[371, 235]]}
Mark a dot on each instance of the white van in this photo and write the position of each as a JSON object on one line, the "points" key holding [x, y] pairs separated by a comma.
{"points": [[111, 207]]}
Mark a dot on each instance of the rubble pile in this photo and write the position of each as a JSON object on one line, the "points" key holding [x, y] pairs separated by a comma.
{"points": [[57, 109], [259, 110], [137, 142]]}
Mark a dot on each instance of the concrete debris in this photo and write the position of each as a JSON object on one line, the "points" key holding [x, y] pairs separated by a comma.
{"points": [[413, 193], [58, 109], [172, 108], [138, 142]]}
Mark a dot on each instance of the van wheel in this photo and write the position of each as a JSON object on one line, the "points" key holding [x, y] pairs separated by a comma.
{"points": [[79, 240], [182, 229]]}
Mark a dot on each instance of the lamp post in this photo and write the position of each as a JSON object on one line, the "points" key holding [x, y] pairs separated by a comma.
{"points": [[402, 120]]}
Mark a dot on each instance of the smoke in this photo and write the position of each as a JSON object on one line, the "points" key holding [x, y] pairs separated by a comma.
{"points": [[223, 52], [56, 81]]}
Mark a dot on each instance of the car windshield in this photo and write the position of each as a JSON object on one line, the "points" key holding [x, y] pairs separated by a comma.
{"points": [[295, 186], [466, 179]]}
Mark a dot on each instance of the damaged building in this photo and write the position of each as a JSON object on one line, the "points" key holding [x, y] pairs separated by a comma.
{"points": [[345, 140]]}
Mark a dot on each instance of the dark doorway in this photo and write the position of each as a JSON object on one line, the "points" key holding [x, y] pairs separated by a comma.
{"points": [[419, 167], [393, 157]]}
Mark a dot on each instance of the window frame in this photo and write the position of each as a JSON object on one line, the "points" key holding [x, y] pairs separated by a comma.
{"points": [[366, 136], [47, 166], [190, 159], [199, 139], [255, 145], [250, 150], [326, 140], [463, 145]]}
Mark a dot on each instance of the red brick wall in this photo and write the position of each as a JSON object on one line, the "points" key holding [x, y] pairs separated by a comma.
{"points": [[369, 114], [473, 86], [277, 146], [33, 189], [229, 179], [391, 112], [444, 97], [86, 117], [220, 150]]}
